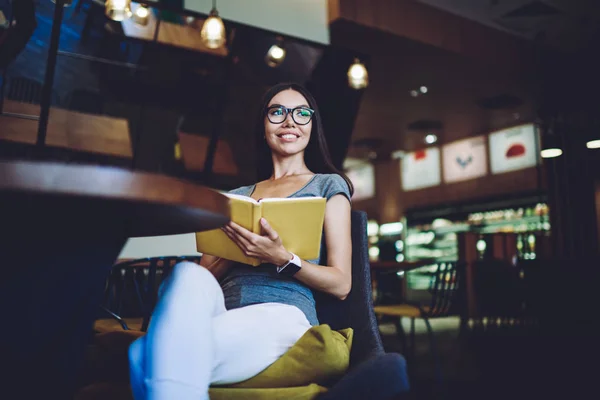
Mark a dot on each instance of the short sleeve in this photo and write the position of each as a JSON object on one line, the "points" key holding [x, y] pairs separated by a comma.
{"points": [[334, 184]]}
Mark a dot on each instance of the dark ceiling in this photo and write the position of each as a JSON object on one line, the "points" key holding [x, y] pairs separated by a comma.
{"points": [[464, 97], [568, 25]]}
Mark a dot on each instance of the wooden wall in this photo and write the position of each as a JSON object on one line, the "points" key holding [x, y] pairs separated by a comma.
{"points": [[479, 188], [391, 202], [387, 205]]}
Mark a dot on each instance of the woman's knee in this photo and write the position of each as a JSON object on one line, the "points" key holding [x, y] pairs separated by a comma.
{"points": [[191, 281], [187, 273]]}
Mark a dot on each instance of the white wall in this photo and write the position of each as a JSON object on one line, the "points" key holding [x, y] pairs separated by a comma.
{"points": [[157, 246], [306, 19]]}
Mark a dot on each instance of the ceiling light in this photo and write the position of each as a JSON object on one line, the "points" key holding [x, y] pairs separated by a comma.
{"points": [[213, 29], [140, 16], [593, 144], [551, 143], [276, 54], [414, 93], [423, 89], [551, 153], [118, 10], [358, 77], [431, 138]]}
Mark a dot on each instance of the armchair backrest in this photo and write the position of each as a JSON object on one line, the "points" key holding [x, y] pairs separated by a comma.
{"points": [[356, 311]]}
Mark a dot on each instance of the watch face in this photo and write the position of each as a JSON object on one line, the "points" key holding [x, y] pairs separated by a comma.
{"points": [[290, 270]]}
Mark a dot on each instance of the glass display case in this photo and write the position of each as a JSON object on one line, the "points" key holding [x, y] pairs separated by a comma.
{"points": [[385, 241], [435, 239], [432, 235]]}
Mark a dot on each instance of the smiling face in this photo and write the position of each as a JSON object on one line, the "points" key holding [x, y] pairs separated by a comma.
{"points": [[288, 137]]}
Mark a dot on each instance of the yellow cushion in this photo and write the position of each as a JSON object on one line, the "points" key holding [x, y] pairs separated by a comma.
{"points": [[308, 392], [400, 310], [122, 391], [320, 356]]}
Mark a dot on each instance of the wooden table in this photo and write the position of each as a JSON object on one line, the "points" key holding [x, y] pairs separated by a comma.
{"points": [[63, 226], [68, 129], [185, 36]]}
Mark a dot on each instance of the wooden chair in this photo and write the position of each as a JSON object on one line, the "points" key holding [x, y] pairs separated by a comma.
{"points": [[443, 288], [132, 290]]}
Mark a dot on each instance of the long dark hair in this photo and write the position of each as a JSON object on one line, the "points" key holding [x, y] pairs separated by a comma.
{"points": [[316, 154]]}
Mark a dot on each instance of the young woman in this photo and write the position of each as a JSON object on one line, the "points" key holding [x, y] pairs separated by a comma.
{"points": [[204, 333]]}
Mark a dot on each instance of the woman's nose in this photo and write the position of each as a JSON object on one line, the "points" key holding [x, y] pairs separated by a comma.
{"points": [[288, 121]]}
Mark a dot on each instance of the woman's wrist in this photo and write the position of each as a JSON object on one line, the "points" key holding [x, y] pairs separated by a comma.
{"points": [[284, 257]]}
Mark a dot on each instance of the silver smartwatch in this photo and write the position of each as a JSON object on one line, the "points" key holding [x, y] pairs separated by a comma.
{"points": [[291, 267]]}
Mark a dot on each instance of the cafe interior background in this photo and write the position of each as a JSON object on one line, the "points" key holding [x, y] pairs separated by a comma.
{"points": [[448, 116]]}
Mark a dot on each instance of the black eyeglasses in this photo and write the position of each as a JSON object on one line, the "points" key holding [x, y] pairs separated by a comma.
{"points": [[300, 115]]}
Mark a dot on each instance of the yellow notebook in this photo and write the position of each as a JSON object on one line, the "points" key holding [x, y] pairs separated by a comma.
{"points": [[298, 221]]}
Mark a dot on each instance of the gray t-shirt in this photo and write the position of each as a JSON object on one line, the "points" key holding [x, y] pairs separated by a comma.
{"points": [[244, 285]]}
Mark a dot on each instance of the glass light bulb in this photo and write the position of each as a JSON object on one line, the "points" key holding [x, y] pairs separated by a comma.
{"points": [[275, 56], [431, 138], [213, 32], [358, 77], [141, 12], [118, 10], [357, 71], [277, 52]]}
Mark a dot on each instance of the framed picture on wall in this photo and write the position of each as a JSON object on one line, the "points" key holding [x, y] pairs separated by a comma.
{"points": [[513, 149], [362, 175], [421, 169], [464, 159]]}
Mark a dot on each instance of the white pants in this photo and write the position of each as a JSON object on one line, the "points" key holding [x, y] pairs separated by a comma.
{"points": [[193, 341]]}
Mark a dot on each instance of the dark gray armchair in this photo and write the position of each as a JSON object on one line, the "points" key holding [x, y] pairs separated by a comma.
{"points": [[373, 373]]}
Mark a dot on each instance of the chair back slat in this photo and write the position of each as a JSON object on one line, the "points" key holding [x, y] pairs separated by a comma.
{"points": [[443, 289], [27, 90], [132, 288]]}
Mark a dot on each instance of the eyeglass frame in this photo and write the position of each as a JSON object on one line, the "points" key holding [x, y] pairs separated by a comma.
{"points": [[288, 111]]}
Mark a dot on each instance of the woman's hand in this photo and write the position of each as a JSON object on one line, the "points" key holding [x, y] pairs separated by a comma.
{"points": [[266, 247]]}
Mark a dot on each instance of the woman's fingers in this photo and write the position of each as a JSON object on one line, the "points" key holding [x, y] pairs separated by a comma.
{"points": [[268, 230], [238, 239], [240, 230]]}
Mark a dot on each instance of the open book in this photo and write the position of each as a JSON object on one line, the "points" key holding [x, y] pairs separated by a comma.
{"points": [[298, 221]]}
